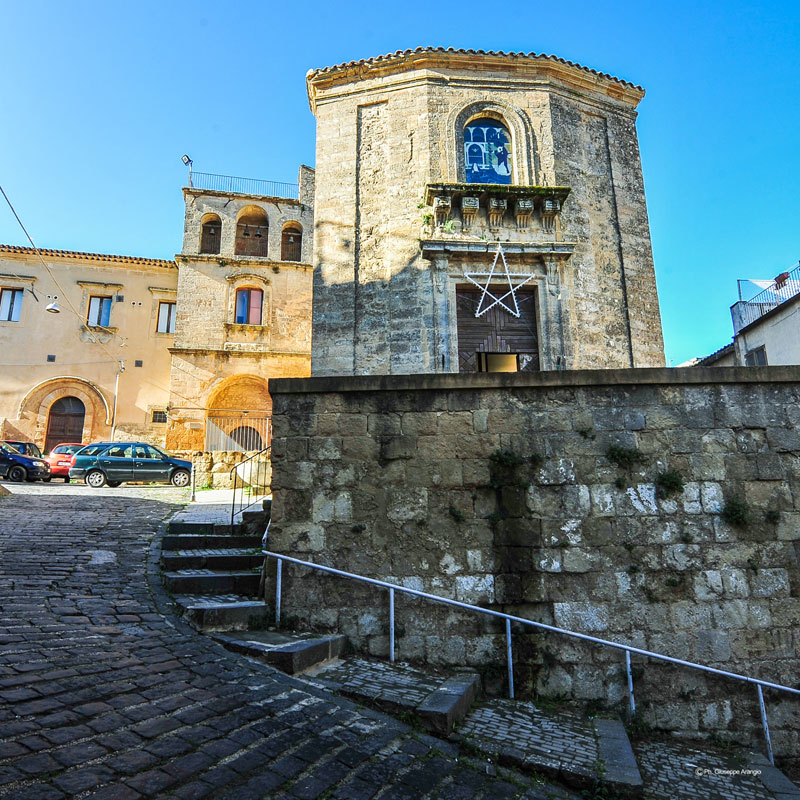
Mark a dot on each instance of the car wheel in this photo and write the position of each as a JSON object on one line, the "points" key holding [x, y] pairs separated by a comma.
{"points": [[180, 478], [95, 479], [66, 480], [47, 479], [17, 474], [114, 484]]}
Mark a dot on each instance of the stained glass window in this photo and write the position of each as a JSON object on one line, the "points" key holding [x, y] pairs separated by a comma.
{"points": [[487, 151]]}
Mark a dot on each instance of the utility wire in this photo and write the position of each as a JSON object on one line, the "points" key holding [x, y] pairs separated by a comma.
{"points": [[55, 280]]}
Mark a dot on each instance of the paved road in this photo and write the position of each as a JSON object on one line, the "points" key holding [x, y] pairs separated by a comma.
{"points": [[105, 694]]}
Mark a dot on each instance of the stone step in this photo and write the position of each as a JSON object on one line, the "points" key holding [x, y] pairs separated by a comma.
{"points": [[201, 528], [212, 558], [224, 612], [290, 653], [678, 770], [437, 701], [518, 734], [206, 581], [193, 541]]}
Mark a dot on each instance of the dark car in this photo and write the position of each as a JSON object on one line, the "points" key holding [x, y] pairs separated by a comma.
{"points": [[29, 449], [16, 466], [114, 462]]}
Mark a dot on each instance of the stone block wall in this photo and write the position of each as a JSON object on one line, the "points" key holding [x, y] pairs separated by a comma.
{"points": [[501, 490], [212, 470]]}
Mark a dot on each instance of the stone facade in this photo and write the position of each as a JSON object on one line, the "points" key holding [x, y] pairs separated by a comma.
{"points": [[505, 491], [220, 364], [399, 225]]}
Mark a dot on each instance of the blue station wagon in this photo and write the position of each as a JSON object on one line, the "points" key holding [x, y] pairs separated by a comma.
{"points": [[114, 462]]}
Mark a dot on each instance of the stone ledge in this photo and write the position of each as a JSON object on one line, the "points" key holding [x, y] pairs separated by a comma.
{"points": [[559, 379]]}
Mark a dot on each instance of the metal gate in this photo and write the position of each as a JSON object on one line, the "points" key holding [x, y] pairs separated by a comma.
{"points": [[241, 432]]}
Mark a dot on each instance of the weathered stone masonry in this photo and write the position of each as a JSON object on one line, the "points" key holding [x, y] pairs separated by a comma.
{"points": [[393, 477]]}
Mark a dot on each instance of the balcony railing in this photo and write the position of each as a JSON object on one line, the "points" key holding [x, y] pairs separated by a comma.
{"points": [[229, 183], [783, 288]]}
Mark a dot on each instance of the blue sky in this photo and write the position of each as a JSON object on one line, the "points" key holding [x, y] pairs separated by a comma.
{"points": [[100, 100]]}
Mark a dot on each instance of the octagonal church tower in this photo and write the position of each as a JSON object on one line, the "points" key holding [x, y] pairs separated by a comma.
{"points": [[479, 211]]}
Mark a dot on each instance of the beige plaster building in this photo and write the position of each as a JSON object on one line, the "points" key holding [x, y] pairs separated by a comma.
{"points": [[427, 161], [60, 373]]}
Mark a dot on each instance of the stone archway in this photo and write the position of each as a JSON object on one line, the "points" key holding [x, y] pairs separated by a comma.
{"points": [[239, 415], [34, 410]]}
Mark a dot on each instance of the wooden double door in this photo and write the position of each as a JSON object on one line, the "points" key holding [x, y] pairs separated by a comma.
{"points": [[65, 422], [496, 341]]}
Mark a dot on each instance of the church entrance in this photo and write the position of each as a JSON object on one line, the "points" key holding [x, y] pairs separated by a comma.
{"points": [[496, 341], [65, 422]]}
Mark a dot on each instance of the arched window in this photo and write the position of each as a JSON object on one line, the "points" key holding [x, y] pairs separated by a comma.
{"points": [[252, 229], [487, 151], [291, 242], [248, 306], [210, 234], [247, 437]]}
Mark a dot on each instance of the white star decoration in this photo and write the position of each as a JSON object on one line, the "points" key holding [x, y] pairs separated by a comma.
{"points": [[512, 287]]}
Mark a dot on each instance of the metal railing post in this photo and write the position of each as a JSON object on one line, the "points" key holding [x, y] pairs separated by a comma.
{"points": [[765, 725], [391, 624], [631, 700], [509, 659], [233, 500], [278, 580]]}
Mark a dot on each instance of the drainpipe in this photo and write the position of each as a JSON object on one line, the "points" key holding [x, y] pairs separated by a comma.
{"points": [[116, 394]]}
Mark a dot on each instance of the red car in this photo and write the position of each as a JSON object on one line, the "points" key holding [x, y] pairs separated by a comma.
{"points": [[60, 459]]}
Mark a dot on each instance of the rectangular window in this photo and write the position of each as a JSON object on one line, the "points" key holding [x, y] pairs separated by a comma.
{"points": [[99, 312], [166, 318], [160, 417], [248, 306], [756, 358], [10, 304]]}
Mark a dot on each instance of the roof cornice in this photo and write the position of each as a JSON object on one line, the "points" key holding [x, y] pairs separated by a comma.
{"points": [[10, 249], [518, 64]]}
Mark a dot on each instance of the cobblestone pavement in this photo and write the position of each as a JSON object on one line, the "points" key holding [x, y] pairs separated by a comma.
{"points": [[104, 694], [548, 742]]}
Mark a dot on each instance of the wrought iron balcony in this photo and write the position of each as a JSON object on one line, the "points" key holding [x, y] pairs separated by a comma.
{"points": [[783, 288], [229, 183]]}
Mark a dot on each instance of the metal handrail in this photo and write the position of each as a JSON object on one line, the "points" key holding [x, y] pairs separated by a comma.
{"points": [[774, 295], [509, 618], [234, 472], [237, 185]]}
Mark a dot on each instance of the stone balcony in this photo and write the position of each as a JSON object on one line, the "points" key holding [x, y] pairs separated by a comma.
{"points": [[495, 206]]}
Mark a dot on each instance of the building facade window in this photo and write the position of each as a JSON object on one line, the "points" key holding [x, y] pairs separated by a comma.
{"points": [[291, 242], [166, 317], [487, 151], [210, 235], [159, 417], [10, 305], [252, 233], [99, 312], [248, 306], [756, 357]]}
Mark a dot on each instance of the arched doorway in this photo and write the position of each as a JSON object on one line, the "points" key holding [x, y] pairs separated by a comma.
{"points": [[65, 422], [239, 415]]}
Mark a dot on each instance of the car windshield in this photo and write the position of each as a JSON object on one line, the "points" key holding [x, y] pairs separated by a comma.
{"points": [[160, 451], [8, 448], [33, 450], [93, 449], [68, 449]]}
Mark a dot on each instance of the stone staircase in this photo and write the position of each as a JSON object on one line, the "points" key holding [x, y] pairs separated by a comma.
{"points": [[214, 575]]}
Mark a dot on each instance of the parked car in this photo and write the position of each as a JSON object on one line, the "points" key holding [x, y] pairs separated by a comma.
{"points": [[15, 466], [60, 459], [29, 449], [114, 462]]}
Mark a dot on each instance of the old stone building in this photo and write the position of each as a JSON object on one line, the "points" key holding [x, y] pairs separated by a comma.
{"points": [[479, 211], [175, 352], [244, 313]]}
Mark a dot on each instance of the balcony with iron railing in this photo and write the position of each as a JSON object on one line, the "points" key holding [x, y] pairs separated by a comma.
{"points": [[783, 288], [234, 185]]}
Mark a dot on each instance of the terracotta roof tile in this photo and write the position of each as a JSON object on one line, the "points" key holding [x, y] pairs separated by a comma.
{"points": [[402, 53], [149, 262]]}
